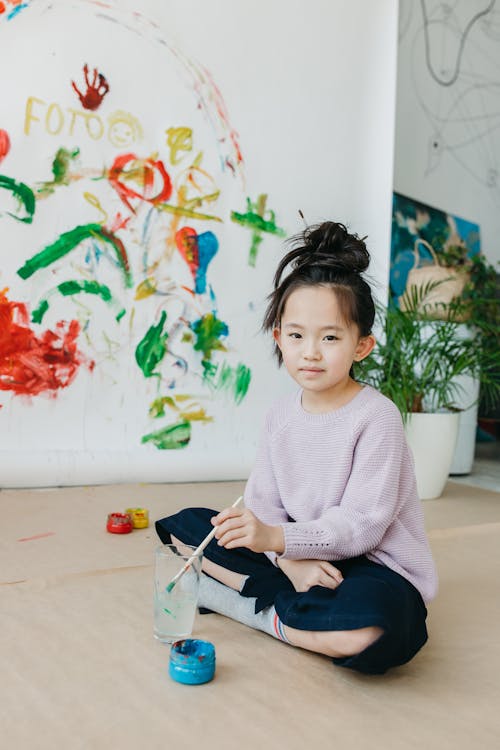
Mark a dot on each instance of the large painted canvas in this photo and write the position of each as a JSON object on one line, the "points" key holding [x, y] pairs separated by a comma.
{"points": [[412, 220], [138, 238]]}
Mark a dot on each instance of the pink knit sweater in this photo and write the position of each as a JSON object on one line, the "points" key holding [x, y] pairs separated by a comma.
{"points": [[342, 484]]}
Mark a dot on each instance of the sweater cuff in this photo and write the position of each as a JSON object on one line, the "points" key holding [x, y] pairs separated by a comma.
{"points": [[301, 544]]}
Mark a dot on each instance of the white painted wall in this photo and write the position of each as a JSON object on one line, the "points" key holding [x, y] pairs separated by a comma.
{"points": [[310, 88], [447, 146]]}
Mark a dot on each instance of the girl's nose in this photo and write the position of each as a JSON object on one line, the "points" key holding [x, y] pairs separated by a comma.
{"points": [[311, 350]]}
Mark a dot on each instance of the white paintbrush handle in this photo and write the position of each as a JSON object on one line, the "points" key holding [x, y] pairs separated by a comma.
{"points": [[200, 548]]}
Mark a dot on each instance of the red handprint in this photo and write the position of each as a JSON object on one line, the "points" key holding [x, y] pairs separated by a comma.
{"points": [[96, 89]]}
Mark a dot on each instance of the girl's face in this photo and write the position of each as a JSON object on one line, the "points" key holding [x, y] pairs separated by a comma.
{"points": [[319, 346]]}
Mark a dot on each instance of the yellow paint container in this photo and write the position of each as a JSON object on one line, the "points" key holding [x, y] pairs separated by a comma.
{"points": [[139, 516]]}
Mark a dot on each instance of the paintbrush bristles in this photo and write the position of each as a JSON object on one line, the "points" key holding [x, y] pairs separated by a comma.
{"points": [[197, 551]]}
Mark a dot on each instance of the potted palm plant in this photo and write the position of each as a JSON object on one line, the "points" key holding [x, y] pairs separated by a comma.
{"points": [[417, 363], [479, 307]]}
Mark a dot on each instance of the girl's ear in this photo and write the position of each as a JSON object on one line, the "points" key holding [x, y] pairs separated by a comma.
{"points": [[277, 336], [364, 347]]}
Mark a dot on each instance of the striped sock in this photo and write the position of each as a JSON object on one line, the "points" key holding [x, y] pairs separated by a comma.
{"points": [[226, 601], [279, 627]]}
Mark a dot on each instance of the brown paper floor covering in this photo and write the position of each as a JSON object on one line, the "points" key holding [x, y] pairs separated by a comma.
{"points": [[80, 669]]}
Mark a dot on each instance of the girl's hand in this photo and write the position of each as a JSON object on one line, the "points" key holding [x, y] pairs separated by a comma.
{"points": [[239, 527], [307, 573]]}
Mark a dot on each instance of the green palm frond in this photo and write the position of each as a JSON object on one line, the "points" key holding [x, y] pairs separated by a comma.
{"points": [[417, 361]]}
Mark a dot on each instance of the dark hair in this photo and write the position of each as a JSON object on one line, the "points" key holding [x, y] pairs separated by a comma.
{"points": [[327, 255]]}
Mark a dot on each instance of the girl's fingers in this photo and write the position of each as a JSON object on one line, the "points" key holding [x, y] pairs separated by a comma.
{"points": [[225, 514], [236, 543], [332, 571], [232, 538], [232, 523]]}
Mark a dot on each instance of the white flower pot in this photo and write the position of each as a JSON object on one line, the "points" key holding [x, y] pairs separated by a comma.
{"points": [[432, 439], [465, 448]]}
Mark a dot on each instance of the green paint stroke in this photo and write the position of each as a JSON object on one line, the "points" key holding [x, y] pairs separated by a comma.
{"points": [[173, 437], [24, 196], [68, 288], [255, 220], [223, 377], [208, 331], [38, 315], [68, 241], [151, 350], [60, 170]]}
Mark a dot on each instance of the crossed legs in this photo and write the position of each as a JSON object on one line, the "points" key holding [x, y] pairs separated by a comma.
{"points": [[334, 643]]}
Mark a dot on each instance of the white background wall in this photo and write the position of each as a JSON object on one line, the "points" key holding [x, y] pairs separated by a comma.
{"points": [[447, 147], [310, 88]]}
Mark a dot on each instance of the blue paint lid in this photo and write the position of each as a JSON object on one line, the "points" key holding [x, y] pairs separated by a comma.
{"points": [[192, 661]]}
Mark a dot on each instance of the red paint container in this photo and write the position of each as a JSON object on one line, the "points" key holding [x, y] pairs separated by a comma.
{"points": [[119, 523]]}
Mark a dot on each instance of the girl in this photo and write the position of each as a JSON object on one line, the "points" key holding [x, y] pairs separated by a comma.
{"points": [[329, 553]]}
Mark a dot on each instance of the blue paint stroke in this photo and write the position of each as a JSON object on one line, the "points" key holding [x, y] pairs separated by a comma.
{"points": [[208, 245]]}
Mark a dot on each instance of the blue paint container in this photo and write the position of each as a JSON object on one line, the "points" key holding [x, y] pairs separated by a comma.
{"points": [[192, 661]]}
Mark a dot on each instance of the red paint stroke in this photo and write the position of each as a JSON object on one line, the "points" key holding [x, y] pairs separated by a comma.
{"points": [[119, 246], [96, 90], [119, 222], [144, 172], [37, 536], [4, 144], [221, 108], [186, 240], [31, 364], [3, 5]]}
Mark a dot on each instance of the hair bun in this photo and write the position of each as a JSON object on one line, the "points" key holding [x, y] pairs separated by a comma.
{"points": [[330, 243], [327, 246]]}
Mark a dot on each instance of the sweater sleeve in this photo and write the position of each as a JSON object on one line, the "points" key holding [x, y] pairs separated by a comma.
{"points": [[369, 504]]}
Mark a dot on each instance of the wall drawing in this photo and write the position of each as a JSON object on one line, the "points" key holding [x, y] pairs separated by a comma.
{"points": [[454, 74], [114, 208]]}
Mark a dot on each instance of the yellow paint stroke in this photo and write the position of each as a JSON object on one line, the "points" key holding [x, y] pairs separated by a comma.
{"points": [[190, 214], [94, 201], [112, 346], [179, 139], [145, 289], [136, 172], [194, 187], [123, 129], [199, 415], [29, 117], [193, 413]]}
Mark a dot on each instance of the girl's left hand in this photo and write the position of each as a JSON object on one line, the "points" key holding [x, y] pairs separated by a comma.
{"points": [[238, 527]]}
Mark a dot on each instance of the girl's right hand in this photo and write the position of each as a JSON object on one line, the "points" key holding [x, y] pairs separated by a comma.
{"points": [[307, 573]]}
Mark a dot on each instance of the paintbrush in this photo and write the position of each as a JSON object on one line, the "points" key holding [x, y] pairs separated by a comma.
{"points": [[197, 551]]}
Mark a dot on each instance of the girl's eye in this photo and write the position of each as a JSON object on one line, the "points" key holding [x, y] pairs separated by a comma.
{"points": [[295, 335], [331, 338]]}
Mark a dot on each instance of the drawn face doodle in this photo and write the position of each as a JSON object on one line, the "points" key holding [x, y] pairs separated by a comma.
{"points": [[124, 129]]}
